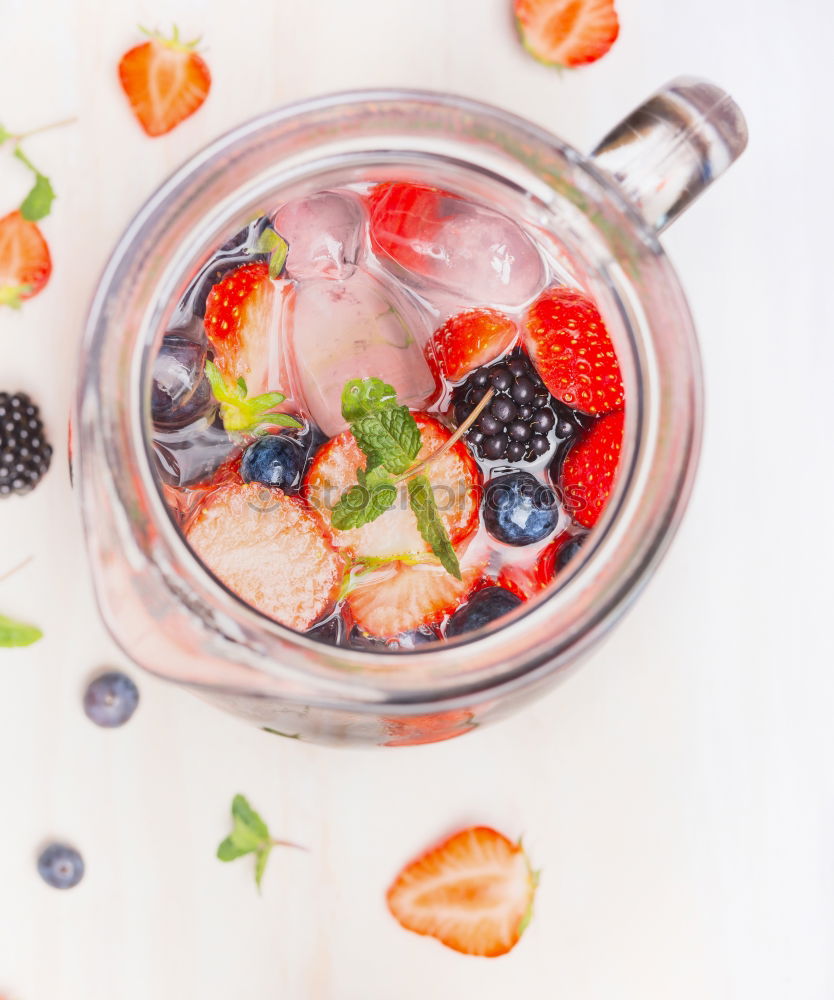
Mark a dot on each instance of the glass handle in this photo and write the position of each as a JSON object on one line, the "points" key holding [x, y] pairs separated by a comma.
{"points": [[673, 146]]}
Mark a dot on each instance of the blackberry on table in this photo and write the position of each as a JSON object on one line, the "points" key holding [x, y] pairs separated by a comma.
{"points": [[25, 453], [522, 422]]}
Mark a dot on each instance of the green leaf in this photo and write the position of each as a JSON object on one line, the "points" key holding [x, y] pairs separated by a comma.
{"points": [[242, 413], [366, 501], [244, 814], [277, 247], [361, 396], [4, 135], [230, 849], [390, 436], [38, 202], [14, 634], [260, 865], [421, 498]]}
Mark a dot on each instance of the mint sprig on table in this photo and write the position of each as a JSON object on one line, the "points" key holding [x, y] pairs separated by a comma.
{"points": [[242, 413], [38, 202], [388, 435], [250, 835]]}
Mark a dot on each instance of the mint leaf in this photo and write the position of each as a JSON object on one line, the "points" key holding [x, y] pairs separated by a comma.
{"points": [[246, 816], [242, 413], [421, 498], [260, 864], [366, 501], [250, 835], [361, 396], [15, 634], [277, 247], [230, 849], [38, 203], [390, 436]]}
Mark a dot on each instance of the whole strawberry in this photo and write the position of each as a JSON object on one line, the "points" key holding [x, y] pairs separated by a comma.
{"points": [[589, 470], [570, 347]]}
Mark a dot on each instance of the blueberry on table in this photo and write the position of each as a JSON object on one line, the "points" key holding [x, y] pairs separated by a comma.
{"points": [[25, 453], [61, 866], [519, 510], [274, 460], [111, 699], [483, 608]]}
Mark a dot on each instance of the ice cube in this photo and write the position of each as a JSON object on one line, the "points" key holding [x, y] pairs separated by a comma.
{"points": [[324, 231], [461, 246], [356, 328]]}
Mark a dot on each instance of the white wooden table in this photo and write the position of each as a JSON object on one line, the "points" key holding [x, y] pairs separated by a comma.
{"points": [[677, 791]]}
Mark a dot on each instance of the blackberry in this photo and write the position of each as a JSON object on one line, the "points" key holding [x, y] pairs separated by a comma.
{"points": [[522, 422], [25, 453]]}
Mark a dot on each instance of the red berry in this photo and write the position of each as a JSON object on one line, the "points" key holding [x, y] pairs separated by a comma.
{"points": [[405, 217], [589, 469], [571, 349], [566, 32], [165, 81], [25, 264], [469, 340], [237, 321]]}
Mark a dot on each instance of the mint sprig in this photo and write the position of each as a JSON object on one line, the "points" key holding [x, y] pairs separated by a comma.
{"points": [[388, 435], [38, 202], [250, 835], [16, 634], [242, 413]]}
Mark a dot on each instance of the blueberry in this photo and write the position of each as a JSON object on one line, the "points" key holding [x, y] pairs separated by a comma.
{"points": [[495, 446], [61, 866], [111, 699], [519, 510], [274, 460], [569, 550], [503, 409], [484, 607], [180, 393]]}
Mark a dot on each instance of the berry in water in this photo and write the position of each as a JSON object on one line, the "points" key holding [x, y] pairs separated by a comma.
{"points": [[274, 460], [519, 510], [111, 699], [25, 453], [61, 866], [484, 607], [566, 552], [522, 422], [181, 392]]}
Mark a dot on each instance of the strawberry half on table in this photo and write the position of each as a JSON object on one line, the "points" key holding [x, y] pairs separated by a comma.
{"points": [[468, 340], [566, 33], [570, 347], [474, 893], [165, 81], [270, 550], [238, 321], [25, 263]]}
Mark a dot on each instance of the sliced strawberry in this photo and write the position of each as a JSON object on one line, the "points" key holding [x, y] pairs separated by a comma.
{"points": [[567, 32], [570, 347], [473, 892], [401, 596], [165, 80], [469, 340], [270, 550], [238, 322], [454, 476], [405, 218], [25, 264], [589, 470]]}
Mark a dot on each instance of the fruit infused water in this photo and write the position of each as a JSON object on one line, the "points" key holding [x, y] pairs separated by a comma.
{"points": [[382, 416]]}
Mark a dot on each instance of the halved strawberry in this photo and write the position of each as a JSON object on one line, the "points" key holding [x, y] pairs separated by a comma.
{"points": [[25, 264], [469, 340], [454, 476], [165, 80], [270, 550], [401, 596], [570, 347], [238, 322], [566, 32], [473, 892], [405, 217], [589, 470]]}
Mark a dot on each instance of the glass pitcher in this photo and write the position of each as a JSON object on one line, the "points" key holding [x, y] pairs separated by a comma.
{"points": [[603, 214]]}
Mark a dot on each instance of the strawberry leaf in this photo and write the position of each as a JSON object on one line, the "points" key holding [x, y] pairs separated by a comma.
{"points": [[390, 436], [362, 396], [14, 634], [12, 295], [242, 413], [421, 498], [277, 247], [38, 202]]}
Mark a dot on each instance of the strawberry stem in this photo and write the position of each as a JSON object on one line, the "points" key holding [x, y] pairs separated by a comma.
{"points": [[453, 440]]}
